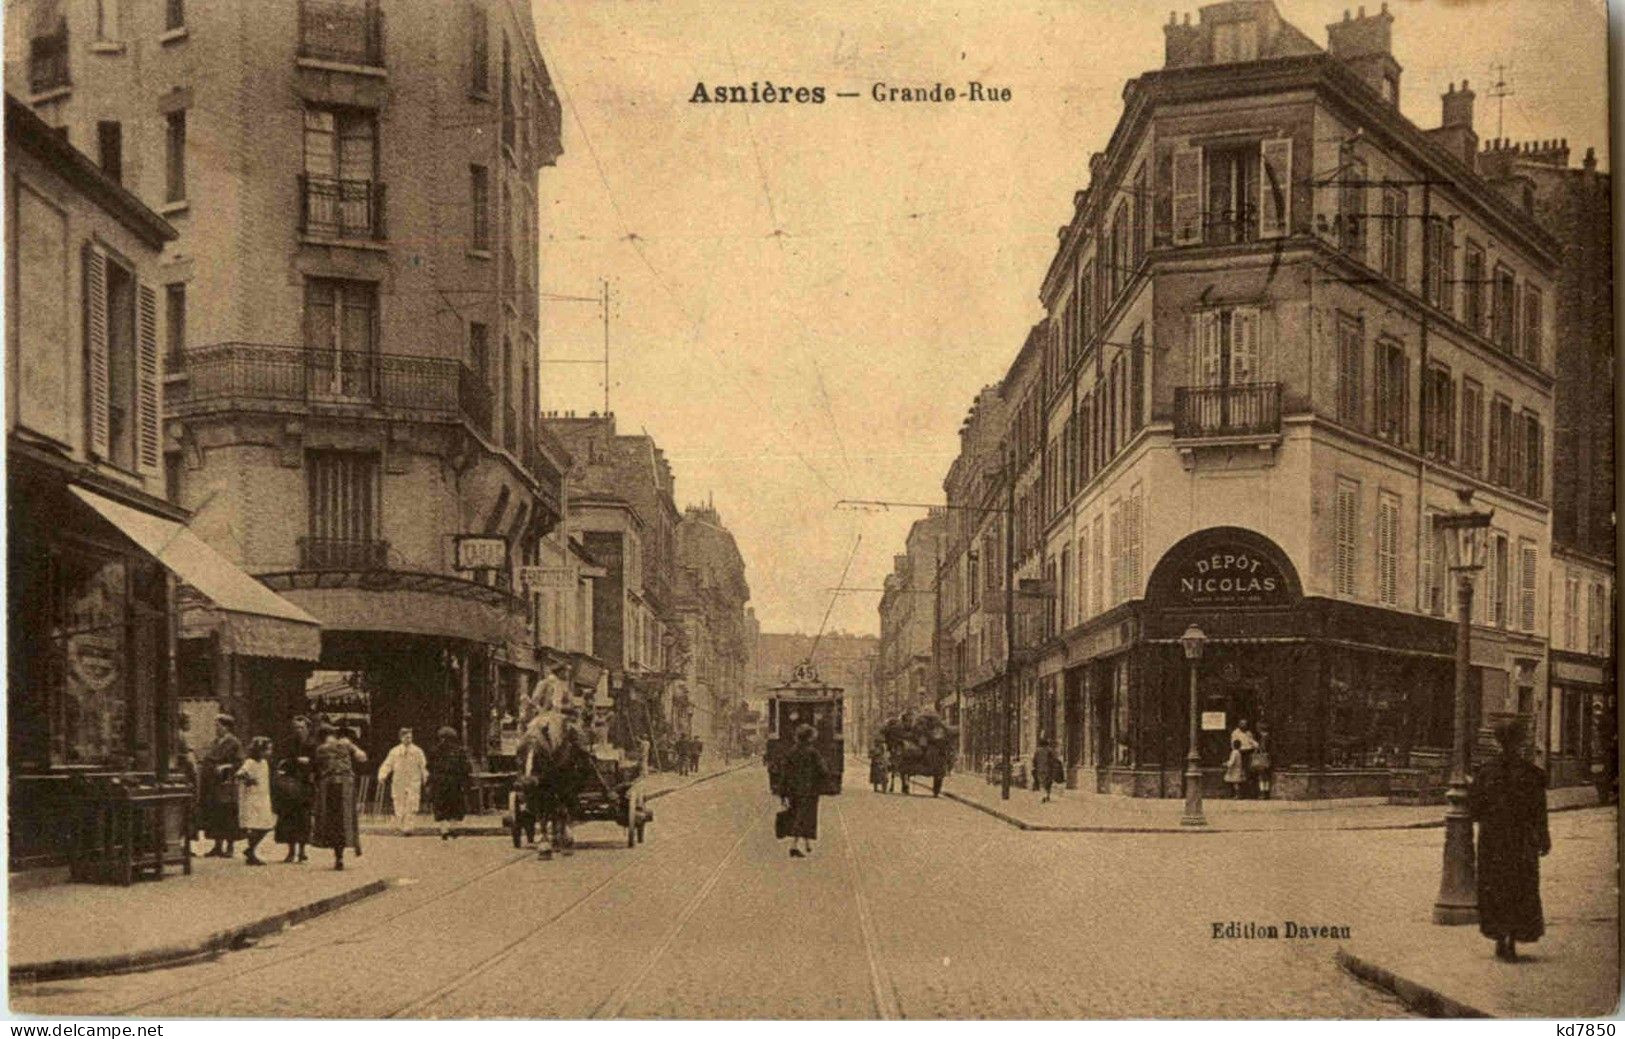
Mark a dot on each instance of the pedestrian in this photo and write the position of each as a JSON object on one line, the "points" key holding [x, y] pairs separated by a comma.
{"points": [[805, 779], [333, 814], [1263, 770], [217, 792], [185, 765], [254, 814], [697, 746], [407, 771], [291, 791], [448, 787], [1242, 736], [1235, 769], [1046, 765], [879, 767], [1508, 801]]}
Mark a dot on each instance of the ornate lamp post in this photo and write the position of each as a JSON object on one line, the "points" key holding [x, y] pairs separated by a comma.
{"points": [[1192, 642], [1458, 885]]}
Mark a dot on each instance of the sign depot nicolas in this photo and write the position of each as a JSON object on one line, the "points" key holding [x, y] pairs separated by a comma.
{"points": [[1219, 572]]}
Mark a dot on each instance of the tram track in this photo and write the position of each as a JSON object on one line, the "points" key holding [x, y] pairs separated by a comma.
{"points": [[362, 934]]}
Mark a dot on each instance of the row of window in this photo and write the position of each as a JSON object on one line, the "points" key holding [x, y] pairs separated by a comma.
{"points": [[1103, 568], [1595, 610], [1101, 423], [1509, 451], [1506, 595]]}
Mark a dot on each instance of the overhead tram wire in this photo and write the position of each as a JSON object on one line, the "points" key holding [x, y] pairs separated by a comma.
{"points": [[813, 652]]}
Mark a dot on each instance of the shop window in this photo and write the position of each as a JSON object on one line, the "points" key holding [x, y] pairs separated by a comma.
{"points": [[1122, 746], [1573, 730]]}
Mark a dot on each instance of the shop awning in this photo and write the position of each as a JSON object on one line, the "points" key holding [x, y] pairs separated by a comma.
{"points": [[261, 622]]}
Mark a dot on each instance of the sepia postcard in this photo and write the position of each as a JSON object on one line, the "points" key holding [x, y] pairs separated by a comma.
{"points": [[808, 510]]}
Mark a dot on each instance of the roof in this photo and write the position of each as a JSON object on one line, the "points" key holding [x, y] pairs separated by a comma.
{"points": [[25, 129]]}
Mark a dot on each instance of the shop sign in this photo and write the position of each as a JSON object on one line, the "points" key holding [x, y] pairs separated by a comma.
{"points": [[479, 552], [1212, 721], [1222, 571]]}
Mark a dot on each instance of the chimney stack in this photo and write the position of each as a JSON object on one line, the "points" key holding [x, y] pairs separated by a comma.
{"points": [[1455, 133], [1365, 44], [1182, 44]]}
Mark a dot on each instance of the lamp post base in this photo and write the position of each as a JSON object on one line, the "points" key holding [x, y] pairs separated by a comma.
{"points": [[1193, 798], [1457, 903]]}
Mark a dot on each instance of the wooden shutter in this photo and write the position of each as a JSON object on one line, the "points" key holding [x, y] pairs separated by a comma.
{"points": [[1388, 551], [148, 401], [1527, 572], [97, 385], [1207, 348], [1244, 349], [1187, 196], [1275, 188], [1346, 516]]}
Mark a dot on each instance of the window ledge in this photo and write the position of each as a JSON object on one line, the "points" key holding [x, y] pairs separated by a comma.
{"points": [[479, 254], [106, 47], [345, 243], [173, 35], [52, 94], [172, 208], [376, 71]]}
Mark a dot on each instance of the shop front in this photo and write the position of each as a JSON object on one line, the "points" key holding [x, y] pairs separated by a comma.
{"points": [[1581, 743], [1345, 696]]}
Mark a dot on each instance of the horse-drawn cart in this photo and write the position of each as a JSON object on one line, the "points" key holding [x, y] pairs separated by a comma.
{"points": [[556, 787]]}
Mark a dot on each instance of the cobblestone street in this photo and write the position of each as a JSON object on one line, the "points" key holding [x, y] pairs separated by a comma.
{"points": [[915, 907]]}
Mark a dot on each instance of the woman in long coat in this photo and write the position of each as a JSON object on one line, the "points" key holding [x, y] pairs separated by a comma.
{"points": [[1508, 800], [291, 791], [217, 788], [333, 817], [449, 776], [805, 779]]}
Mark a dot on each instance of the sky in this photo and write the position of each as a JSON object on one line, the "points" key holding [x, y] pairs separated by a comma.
{"points": [[805, 298]]}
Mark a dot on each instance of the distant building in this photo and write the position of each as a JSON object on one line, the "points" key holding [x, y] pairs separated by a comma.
{"points": [[909, 611], [711, 593]]}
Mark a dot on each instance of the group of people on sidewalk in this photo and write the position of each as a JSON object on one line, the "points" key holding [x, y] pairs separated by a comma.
{"points": [[1248, 770], [683, 753], [307, 796]]}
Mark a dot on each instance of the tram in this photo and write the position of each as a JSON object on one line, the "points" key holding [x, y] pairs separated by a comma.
{"points": [[806, 700]]}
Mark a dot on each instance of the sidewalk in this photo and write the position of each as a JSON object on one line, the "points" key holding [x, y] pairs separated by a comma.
{"points": [[1084, 811], [1572, 972], [654, 786]]}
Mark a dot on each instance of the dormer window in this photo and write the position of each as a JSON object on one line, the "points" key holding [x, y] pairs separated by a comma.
{"points": [[1390, 89], [1235, 41]]}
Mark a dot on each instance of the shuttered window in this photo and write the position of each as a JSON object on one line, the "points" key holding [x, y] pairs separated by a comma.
{"points": [[1394, 216], [1532, 345], [1115, 522], [1434, 563], [1187, 196], [1393, 385], [1133, 543], [1527, 573], [124, 402], [1534, 447], [1275, 189], [1472, 423], [1351, 208], [1500, 579], [1350, 364], [1100, 564], [1083, 575], [1473, 287], [1388, 549], [343, 497], [1345, 548]]}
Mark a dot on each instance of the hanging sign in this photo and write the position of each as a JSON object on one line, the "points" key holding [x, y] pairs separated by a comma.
{"points": [[481, 552]]}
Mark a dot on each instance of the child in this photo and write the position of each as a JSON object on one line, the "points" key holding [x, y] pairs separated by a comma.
{"points": [[1234, 773], [254, 814]]}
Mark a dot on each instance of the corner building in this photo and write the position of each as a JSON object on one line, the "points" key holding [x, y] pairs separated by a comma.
{"points": [[1284, 326], [351, 319]]}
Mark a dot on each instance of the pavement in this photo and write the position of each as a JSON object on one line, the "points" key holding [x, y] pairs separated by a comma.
{"points": [[909, 907], [1084, 811], [78, 930]]}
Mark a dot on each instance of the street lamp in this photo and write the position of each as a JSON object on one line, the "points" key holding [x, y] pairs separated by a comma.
{"points": [[1192, 642], [1464, 544]]}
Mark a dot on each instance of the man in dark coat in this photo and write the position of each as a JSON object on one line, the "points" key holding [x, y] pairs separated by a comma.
{"points": [[450, 776], [1508, 801], [217, 789]]}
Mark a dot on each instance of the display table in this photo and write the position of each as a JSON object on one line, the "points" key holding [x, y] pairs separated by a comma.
{"points": [[127, 826]]}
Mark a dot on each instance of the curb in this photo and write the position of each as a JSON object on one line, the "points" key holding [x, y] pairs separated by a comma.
{"points": [[1020, 824], [703, 779], [1420, 998], [177, 955]]}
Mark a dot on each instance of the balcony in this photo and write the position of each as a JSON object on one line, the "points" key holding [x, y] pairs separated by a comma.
{"points": [[230, 376], [332, 208], [343, 554], [1225, 412], [351, 33]]}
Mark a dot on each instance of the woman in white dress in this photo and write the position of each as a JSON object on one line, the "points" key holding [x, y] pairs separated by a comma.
{"points": [[254, 814]]}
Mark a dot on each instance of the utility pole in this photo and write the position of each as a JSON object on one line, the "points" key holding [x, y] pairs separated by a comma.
{"points": [[606, 346], [1009, 608]]}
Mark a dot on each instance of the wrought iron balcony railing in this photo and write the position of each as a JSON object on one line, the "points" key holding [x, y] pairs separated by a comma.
{"points": [[1247, 409], [341, 208], [343, 554], [336, 30], [231, 374]]}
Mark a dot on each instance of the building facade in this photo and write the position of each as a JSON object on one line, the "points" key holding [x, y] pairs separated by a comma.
{"points": [[351, 323], [711, 593], [909, 614], [102, 567]]}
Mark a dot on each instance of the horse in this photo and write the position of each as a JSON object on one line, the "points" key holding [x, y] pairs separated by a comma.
{"points": [[550, 779]]}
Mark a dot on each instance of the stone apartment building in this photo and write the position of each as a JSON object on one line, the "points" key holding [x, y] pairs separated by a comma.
{"points": [[621, 505], [350, 316], [909, 611], [711, 593], [1283, 328]]}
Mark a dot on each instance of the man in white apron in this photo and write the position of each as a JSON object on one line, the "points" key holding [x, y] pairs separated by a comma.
{"points": [[410, 770]]}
